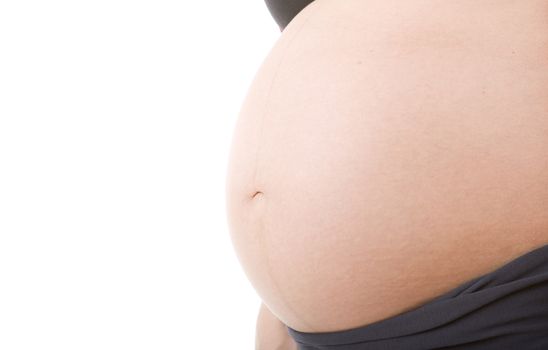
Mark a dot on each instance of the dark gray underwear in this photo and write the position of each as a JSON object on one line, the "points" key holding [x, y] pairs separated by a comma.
{"points": [[504, 309]]}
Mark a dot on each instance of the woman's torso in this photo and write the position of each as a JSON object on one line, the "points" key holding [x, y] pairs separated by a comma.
{"points": [[400, 148]]}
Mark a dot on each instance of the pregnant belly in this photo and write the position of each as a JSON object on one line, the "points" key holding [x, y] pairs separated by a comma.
{"points": [[387, 152]]}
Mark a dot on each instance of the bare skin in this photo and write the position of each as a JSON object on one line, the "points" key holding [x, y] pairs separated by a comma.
{"points": [[271, 333], [400, 148]]}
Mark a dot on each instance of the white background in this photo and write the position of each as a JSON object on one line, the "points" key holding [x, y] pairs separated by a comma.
{"points": [[115, 124]]}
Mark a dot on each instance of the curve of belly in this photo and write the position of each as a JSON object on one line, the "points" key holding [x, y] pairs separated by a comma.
{"points": [[385, 154]]}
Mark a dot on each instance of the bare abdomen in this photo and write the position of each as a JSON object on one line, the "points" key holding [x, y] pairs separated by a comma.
{"points": [[385, 154]]}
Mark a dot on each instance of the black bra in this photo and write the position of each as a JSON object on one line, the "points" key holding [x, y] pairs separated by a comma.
{"points": [[283, 11]]}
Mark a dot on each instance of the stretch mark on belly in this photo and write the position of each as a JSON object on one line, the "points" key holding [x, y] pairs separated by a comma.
{"points": [[266, 108], [258, 196]]}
